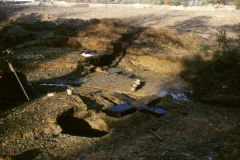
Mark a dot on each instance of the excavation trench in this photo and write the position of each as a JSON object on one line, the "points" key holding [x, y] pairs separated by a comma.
{"points": [[76, 126]]}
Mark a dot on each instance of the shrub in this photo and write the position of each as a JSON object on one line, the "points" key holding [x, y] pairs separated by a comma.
{"points": [[184, 3], [175, 3], [161, 2], [237, 4], [167, 2]]}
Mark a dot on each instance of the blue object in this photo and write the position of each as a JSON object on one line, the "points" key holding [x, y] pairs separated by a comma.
{"points": [[149, 109], [120, 110]]}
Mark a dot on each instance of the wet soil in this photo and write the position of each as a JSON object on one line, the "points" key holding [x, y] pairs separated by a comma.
{"points": [[47, 53]]}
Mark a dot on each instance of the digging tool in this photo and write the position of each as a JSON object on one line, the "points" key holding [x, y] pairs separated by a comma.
{"points": [[11, 67], [150, 114], [155, 134]]}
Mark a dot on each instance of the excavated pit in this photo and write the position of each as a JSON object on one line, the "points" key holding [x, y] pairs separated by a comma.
{"points": [[76, 126]]}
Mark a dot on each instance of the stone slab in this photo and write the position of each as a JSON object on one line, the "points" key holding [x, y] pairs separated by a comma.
{"points": [[149, 109], [120, 110], [120, 98]]}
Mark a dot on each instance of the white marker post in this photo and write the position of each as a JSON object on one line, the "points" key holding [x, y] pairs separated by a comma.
{"points": [[11, 67]]}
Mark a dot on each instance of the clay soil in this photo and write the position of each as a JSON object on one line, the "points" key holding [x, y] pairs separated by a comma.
{"points": [[171, 51]]}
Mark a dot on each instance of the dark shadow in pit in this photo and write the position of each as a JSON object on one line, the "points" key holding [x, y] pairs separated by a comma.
{"points": [[76, 126], [105, 59], [28, 155]]}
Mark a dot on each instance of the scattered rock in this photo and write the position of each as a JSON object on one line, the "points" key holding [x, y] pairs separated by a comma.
{"points": [[28, 135], [98, 124], [149, 109], [57, 130], [47, 131], [80, 105], [120, 110], [135, 85], [167, 98]]}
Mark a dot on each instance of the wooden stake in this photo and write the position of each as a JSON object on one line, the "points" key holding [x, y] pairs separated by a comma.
{"points": [[11, 67]]}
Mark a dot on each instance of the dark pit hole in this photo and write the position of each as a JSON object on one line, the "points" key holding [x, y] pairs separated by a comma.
{"points": [[103, 60], [76, 126]]}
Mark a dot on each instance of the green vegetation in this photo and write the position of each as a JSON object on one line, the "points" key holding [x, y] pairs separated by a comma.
{"points": [[175, 2], [237, 4], [222, 50]]}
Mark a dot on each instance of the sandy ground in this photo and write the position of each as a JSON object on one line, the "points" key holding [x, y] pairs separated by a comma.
{"points": [[201, 20]]}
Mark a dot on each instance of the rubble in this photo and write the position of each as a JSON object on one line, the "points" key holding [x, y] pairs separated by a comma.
{"points": [[99, 69], [135, 85]]}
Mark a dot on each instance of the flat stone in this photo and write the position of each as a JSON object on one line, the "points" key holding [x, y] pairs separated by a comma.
{"points": [[120, 110], [100, 100], [119, 98], [149, 109], [98, 124]]}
